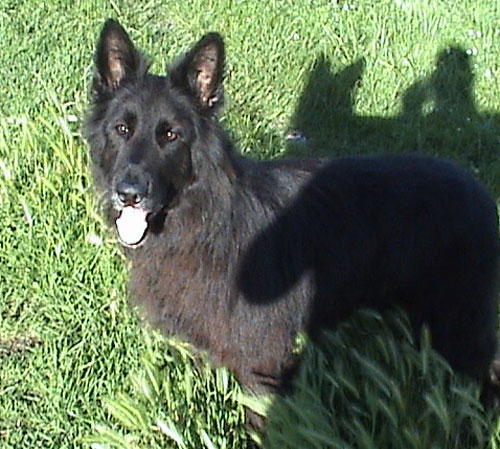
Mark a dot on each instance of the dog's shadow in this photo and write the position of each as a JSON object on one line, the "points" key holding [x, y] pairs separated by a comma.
{"points": [[438, 116]]}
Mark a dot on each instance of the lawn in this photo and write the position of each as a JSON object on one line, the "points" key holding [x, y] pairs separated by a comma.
{"points": [[76, 365]]}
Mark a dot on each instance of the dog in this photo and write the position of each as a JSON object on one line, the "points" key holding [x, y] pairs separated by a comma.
{"points": [[238, 256]]}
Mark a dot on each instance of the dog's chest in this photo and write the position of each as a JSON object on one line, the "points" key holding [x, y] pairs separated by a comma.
{"points": [[182, 295]]}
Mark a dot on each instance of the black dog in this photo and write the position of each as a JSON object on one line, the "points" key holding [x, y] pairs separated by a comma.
{"points": [[239, 256]]}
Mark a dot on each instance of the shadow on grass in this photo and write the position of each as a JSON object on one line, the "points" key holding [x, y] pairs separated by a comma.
{"points": [[439, 117], [368, 387]]}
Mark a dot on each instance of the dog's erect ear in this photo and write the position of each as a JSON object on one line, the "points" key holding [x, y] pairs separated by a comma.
{"points": [[201, 70], [116, 59]]}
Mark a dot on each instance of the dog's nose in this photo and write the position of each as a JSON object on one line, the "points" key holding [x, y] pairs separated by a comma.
{"points": [[131, 193]]}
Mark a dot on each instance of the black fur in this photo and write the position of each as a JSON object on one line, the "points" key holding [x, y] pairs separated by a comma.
{"points": [[240, 256]]}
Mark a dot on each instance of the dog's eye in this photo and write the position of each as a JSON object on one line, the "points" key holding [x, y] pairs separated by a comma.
{"points": [[122, 129], [170, 135]]}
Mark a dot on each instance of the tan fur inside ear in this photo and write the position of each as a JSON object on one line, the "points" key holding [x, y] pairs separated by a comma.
{"points": [[205, 83], [207, 69], [117, 63]]}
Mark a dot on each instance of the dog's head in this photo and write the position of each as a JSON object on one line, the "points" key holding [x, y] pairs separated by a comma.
{"points": [[144, 129]]}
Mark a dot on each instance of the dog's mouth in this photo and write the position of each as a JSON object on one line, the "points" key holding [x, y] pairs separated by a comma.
{"points": [[132, 226]]}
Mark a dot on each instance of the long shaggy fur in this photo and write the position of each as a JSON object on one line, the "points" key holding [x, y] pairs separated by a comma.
{"points": [[239, 256]]}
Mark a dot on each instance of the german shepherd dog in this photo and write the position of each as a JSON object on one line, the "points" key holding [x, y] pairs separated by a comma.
{"points": [[238, 256]]}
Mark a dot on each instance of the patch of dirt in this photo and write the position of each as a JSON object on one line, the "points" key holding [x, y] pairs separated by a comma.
{"points": [[17, 344]]}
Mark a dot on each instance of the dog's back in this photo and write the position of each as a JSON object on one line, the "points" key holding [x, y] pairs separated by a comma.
{"points": [[407, 230]]}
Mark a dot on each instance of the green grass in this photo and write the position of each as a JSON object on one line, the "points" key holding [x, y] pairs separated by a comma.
{"points": [[377, 76], [377, 391]]}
